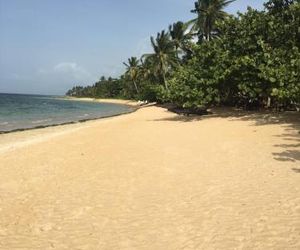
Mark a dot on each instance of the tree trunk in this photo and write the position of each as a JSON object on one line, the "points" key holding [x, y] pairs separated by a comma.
{"points": [[136, 88], [165, 82], [269, 102]]}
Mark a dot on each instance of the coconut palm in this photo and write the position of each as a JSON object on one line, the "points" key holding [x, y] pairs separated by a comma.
{"points": [[132, 67], [180, 36], [164, 55], [208, 12], [147, 69]]}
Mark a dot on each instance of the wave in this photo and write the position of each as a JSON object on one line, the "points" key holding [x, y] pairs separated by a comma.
{"points": [[41, 121], [83, 116], [21, 112]]}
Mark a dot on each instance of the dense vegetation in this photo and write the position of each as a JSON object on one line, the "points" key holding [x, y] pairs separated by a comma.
{"points": [[250, 60]]}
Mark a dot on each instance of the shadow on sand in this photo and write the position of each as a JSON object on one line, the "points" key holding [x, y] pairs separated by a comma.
{"points": [[290, 120]]}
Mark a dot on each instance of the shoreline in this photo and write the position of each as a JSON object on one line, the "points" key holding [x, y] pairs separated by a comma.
{"points": [[134, 105], [65, 123], [102, 100], [17, 139]]}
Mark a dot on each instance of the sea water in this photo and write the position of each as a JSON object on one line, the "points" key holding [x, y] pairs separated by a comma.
{"points": [[31, 111]]}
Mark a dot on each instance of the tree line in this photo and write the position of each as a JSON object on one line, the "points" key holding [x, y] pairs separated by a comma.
{"points": [[249, 60]]}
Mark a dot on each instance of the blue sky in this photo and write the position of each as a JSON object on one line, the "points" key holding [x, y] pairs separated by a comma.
{"points": [[48, 46]]}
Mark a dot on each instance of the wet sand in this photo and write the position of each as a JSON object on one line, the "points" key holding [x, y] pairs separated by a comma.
{"points": [[153, 180]]}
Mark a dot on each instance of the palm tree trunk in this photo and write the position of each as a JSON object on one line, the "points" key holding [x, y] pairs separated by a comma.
{"points": [[164, 80], [177, 51], [136, 88], [207, 33]]}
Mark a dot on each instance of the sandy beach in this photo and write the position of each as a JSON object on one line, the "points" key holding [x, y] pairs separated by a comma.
{"points": [[107, 100], [153, 180]]}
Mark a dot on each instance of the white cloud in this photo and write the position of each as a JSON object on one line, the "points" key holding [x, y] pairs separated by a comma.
{"points": [[67, 70], [74, 70]]}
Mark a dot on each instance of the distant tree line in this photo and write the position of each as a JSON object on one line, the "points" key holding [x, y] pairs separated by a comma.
{"points": [[104, 88], [251, 60]]}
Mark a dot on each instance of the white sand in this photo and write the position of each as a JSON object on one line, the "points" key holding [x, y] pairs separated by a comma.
{"points": [[152, 180]]}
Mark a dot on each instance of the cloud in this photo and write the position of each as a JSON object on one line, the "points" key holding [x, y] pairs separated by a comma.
{"points": [[74, 70], [67, 67], [60, 77], [67, 71]]}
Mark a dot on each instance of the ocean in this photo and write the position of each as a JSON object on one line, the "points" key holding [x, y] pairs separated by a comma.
{"points": [[18, 112]]}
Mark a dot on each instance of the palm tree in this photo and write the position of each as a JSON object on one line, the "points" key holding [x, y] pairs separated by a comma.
{"points": [[180, 36], [208, 12], [164, 55], [147, 68], [133, 70]]}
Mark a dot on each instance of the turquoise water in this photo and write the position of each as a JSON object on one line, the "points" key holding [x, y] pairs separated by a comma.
{"points": [[30, 111]]}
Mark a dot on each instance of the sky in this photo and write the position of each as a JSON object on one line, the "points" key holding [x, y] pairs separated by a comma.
{"points": [[48, 46]]}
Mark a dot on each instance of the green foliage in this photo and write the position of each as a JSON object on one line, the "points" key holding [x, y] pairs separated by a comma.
{"points": [[181, 38], [110, 88], [275, 7], [262, 56], [132, 72], [151, 93], [254, 61], [208, 13], [164, 56], [192, 85]]}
